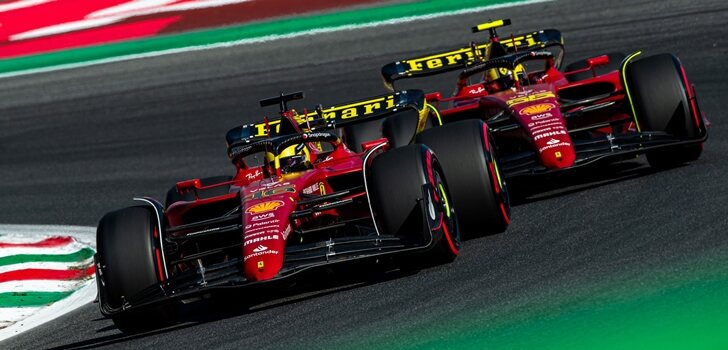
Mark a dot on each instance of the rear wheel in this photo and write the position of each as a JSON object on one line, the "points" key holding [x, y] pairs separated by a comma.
{"points": [[410, 199], [660, 100], [126, 256], [478, 191], [615, 63], [174, 196]]}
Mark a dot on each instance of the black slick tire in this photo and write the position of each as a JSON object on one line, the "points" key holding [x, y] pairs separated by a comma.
{"points": [[126, 256], [478, 193], [660, 100], [410, 199]]}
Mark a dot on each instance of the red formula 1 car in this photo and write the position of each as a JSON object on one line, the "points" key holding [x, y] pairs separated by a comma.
{"points": [[300, 203], [544, 120]]}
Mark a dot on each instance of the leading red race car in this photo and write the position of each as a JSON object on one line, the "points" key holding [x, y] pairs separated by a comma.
{"points": [[544, 120], [300, 202]]}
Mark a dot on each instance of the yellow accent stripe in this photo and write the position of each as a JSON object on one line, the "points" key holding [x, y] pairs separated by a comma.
{"points": [[437, 113], [444, 199], [497, 173], [490, 25], [626, 88]]}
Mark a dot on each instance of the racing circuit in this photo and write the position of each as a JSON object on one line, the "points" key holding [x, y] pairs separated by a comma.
{"points": [[630, 257]]}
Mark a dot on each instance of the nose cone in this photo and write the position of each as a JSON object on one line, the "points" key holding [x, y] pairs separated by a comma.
{"points": [[265, 231], [559, 157], [263, 255], [546, 127]]}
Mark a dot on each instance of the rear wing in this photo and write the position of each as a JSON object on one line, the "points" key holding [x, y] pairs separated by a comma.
{"points": [[458, 59], [353, 112]]}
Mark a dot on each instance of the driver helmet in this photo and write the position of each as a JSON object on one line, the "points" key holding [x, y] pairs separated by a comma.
{"points": [[499, 79], [293, 158]]}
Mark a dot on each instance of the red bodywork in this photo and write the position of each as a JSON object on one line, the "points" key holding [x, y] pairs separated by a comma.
{"points": [[267, 203], [537, 105]]}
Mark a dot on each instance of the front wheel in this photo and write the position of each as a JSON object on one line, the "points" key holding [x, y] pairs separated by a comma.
{"points": [[127, 246], [661, 103], [410, 199]]}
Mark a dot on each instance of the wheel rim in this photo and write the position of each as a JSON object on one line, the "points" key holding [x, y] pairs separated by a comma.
{"points": [[441, 199]]}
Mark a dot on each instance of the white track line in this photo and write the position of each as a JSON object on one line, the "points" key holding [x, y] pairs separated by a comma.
{"points": [[263, 39]]}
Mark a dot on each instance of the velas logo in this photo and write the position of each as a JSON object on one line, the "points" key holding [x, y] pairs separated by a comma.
{"points": [[537, 109], [264, 207]]}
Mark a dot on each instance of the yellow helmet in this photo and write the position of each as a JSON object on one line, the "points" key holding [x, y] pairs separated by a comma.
{"points": [[504, 78], [292, 158]]}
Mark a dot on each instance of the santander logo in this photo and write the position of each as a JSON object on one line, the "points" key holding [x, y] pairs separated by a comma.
{"points": [[260, 248]]}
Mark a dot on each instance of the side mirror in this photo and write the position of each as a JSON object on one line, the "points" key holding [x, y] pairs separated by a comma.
{"points": [[598, 61], [189, 185]]}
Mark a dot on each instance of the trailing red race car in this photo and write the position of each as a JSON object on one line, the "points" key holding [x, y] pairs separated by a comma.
{"points": [[300, 203], [544, 120]]}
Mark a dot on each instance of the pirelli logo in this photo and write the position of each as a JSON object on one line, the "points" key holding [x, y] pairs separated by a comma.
{"points": [[345, 112]]}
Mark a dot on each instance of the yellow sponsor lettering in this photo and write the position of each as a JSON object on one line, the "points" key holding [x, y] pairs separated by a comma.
{"points": [[349, 113], [329, 115], [517, 41], [434, 64], [353, 110], [530, 98], [390, 102], [445, 59], [453, 59], [369, 109], [260, 128], [414, 66]]}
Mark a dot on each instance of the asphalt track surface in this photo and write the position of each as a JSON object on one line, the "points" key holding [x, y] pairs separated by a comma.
{"points": [[75, 144]]}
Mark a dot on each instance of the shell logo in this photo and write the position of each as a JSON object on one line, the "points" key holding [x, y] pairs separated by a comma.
{"points": [[264, 207], [537, 109]]}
